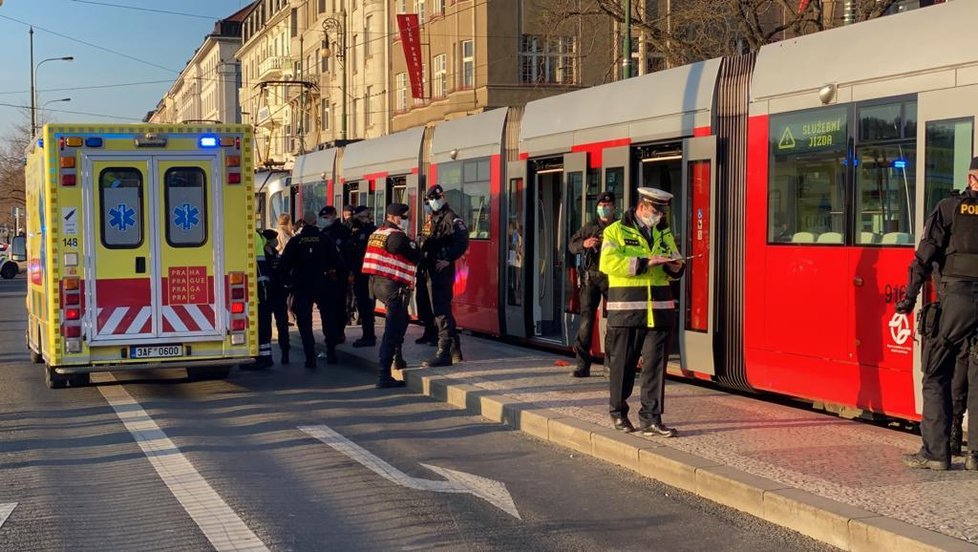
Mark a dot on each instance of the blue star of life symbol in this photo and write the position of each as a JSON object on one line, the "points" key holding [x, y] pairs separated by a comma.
{"points": [[186, 216], [122, 217]]}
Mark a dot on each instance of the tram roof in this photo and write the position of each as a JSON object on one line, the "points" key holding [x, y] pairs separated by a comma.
{"points": [[397, 153], [659, 105], [311, 166], [473, 136], [923, 40]]}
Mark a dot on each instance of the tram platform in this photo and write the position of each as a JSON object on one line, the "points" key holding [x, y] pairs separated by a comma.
{"points": [[839, 481]]}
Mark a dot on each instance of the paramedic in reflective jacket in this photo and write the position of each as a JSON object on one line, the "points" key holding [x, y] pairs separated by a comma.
{"points": [[639, 255], [951, 234]]}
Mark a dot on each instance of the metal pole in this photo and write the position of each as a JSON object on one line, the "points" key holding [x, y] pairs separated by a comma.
{"points": [[626, 43], [302, 96], [33, 97], [345, 68]]}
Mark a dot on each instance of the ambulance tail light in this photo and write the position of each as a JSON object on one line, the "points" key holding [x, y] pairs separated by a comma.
{"points": [[238, 284], [72, 312]]}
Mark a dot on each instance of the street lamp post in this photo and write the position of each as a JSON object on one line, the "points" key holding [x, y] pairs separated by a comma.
{"points": [[34, 69], [626, 43], [338, 28], [45, 104]]}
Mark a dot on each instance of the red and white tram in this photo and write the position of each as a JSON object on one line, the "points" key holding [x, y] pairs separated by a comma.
{"points": [[802, 175]]}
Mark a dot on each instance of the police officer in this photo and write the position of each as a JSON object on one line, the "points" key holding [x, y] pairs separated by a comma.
{"points": [[444, 239], [639, 255], [309, 264], [363, 228], [348, 213], [332, 309], [423, 300], [586, 242], [391, 262], [278, 295], [266, 240], [951, 234]]}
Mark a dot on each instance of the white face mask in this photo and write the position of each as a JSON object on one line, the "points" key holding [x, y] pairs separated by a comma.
{"points": [[404, 224], [328, 221], [436, 204], [652, 220]]}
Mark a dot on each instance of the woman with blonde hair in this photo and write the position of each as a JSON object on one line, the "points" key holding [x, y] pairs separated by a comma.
{"points": [[285, 231]]}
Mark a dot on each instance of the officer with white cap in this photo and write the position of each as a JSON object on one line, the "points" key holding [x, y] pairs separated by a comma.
{"points": [[639, 255]]}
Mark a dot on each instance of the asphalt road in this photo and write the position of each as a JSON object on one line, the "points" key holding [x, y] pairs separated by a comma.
{"points": [[233, 449]]}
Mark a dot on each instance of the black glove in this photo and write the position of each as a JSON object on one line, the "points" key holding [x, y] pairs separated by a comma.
{"points": [[905, 306]]}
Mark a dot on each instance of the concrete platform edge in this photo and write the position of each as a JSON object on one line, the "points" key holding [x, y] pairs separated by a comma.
{"points": [[829, 521]]}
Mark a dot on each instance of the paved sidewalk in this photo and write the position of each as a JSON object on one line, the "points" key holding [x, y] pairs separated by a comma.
{"points": [[835, 480]]}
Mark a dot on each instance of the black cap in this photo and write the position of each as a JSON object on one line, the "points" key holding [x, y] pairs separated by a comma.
{"points": [[974, 164], [606, 197], [360, 209], [435, 190], [327, 211], [398, 209], [347, 208], [269, 234]]}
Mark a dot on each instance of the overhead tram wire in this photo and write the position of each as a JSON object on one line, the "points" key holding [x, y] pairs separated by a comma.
{"points": [[88, 113], [136, 8], [93, 87]]}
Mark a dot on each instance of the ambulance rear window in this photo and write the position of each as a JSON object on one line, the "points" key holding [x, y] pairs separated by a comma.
{"points": [[186, 206], [121, 198]]}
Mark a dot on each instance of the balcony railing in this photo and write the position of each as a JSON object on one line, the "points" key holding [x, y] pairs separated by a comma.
{"points": [[275, 67]]}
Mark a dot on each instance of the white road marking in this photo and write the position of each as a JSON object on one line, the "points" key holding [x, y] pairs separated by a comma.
{"points": [[493, 492], [5, 511], [220, 524]]}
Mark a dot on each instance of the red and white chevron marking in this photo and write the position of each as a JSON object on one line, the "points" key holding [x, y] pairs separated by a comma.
{"points": [[125, 320], [187, 318]]}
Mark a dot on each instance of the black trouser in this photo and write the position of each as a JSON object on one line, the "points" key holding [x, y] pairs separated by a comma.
{"points": [[302, 302], [423, 299], [394, 296], [332, 309], [264, 321], [592, 290], [960, 383], [623, 346], [279, 300], [441, 289], [956, 329], [365, 304]]}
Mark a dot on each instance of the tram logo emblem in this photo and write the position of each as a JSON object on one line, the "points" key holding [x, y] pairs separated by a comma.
{"points": [[787, 140], [900, 328]]}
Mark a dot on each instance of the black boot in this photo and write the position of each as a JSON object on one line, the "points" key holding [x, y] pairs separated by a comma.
{"points": [[385, 381], [583, 368], [429, 337], [957, 434], [331, 354], [399, 362], [442, 358], [457, 350], [365, 341], [285, 357]]}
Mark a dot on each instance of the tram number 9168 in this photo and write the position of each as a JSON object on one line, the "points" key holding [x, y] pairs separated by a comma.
{"points": [[894, 293]]}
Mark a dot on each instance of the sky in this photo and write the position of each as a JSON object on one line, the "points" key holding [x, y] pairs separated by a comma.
{"points": [[161, 44]]}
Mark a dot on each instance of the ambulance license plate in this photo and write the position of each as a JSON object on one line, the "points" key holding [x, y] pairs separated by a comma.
{"points": [[156, 351]]}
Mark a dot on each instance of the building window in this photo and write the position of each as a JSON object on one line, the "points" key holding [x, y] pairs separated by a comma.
{"points": [[353, 54], [468, 64], [441, 77], [401, 6], [368, 21], [548, 60], [421, 11], [400, 82], [353, 115], [368, 102], [321, 6], [324, 114]]}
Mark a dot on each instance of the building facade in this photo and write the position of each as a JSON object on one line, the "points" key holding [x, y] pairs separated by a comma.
{"points": [[207, 88]]}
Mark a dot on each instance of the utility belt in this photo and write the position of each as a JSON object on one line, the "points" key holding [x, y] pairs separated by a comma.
{"points": [[961, 266]]}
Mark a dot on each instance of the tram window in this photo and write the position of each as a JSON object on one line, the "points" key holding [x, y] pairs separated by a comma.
{"points": [[515, 247], [614, 182], [313, 196], [885, 183], [466, 185], [575, 189], [807, 187], [279, 204], [948, 149], [665, 173], [380, 204], [593, 190]]}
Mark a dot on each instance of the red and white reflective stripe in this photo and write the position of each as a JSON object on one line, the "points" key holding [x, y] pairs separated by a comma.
{"points": [[125, 320], [188, 318], [380, 262]]}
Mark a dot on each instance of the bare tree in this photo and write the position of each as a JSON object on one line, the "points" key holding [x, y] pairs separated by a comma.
{"points": [[12, 151], [694, 30]]}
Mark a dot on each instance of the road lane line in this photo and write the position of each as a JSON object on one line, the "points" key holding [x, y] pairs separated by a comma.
{"points": [[5, 511], [220, 524]]}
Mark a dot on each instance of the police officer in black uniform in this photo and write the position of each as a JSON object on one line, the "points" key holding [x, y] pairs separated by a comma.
{"points": [[391, 263], [363, 228], [332, 308], [309, 264], [444, 239], [347, 218], [425, 315], [586, 242], [278, 295], [951, 234], [267, 239]]}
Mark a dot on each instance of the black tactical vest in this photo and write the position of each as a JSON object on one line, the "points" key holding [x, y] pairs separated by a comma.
{"points": [[962, 256]]}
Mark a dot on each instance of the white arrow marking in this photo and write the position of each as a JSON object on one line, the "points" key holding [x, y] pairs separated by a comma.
{"points": [[493, 492], [5, 511]]}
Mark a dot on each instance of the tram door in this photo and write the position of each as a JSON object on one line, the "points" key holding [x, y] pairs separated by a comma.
{"points": [[516, 250], [696, 290]]}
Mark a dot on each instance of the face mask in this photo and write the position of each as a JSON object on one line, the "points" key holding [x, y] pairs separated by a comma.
{"points": [[404, 224], [436, 204], [328, 221], [651, 220], [605, 212]]}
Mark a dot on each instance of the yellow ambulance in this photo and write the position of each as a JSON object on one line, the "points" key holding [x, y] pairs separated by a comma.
{"points": [[140, 249]]}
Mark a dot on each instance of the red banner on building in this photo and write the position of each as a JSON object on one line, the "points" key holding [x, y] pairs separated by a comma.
{"points": [[407, 24]]}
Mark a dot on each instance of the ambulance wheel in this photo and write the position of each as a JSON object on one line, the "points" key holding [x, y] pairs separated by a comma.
{"points": [[9, 271], [37, 358], [201, 373], [53, 379], [79, 380]]}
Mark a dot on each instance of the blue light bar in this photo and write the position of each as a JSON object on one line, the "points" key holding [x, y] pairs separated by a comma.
{"points": [[93, 142], [899, 164], [209, 142], [40, 143]]}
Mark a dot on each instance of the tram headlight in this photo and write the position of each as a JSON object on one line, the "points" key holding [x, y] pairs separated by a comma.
{"points": [[827, 93]]}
